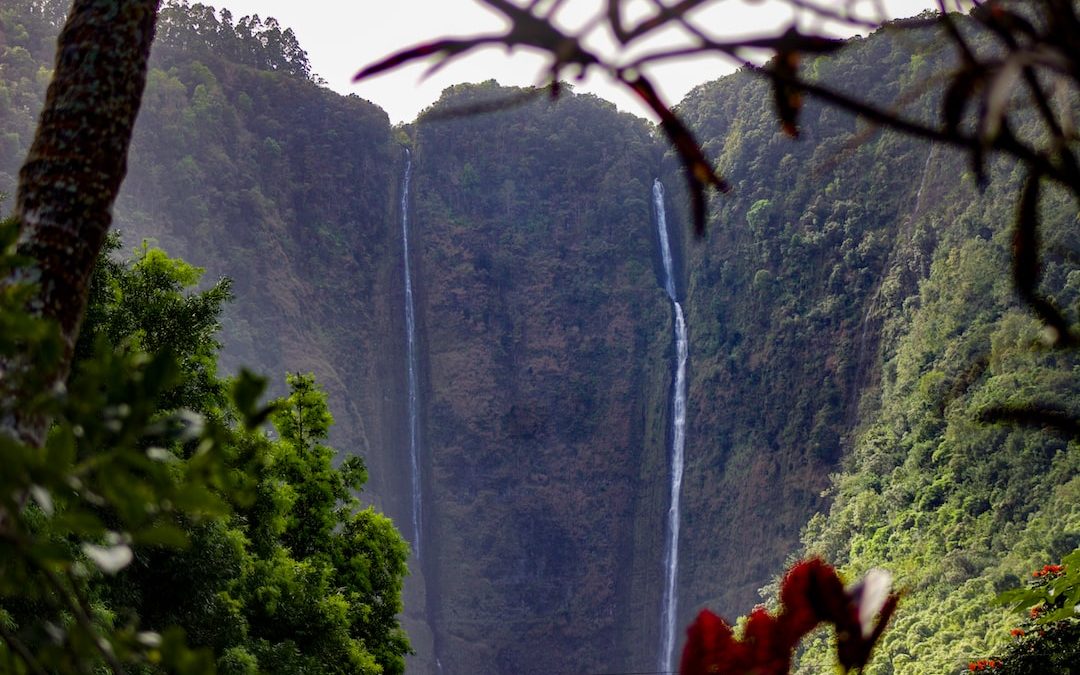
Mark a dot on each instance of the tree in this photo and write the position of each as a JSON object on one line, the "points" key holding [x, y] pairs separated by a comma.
{"points": [[1047, 639], [145, 305], [132, 473], [76, 163], [120, 470], [193, 539], [62, 213]]}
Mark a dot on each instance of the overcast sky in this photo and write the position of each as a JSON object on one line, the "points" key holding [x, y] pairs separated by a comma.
{"points": [[342, 36]]}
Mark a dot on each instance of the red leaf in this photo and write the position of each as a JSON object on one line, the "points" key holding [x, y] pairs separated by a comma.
{"points": [[708, 639]]}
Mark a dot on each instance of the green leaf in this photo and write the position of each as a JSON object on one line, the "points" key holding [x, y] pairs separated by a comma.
{"points": [[246, 390], [1059, 614], [55, 555], [162, 535], [1017, 598], [80, 523], [60, 448], [197, 500]]}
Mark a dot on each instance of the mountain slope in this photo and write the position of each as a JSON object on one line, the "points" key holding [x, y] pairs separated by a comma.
{"points": [[864, 306], [822, 238]]}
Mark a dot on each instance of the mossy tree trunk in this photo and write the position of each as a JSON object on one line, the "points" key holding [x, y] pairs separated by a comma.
{"points": [[77, 161]]}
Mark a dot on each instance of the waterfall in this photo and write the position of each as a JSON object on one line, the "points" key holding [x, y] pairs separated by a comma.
{"points": [[410, 361], [665, 242], [678, 441]]}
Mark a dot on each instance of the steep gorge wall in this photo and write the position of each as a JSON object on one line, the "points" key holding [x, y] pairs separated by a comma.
{"points": [[288, 189], [822, 238], [545, 332], [815, 253]]}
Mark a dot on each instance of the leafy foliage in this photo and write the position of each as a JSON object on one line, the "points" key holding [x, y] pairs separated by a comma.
{"points": [[952, 504], [105, 482], [250, 41], [1047, 640], [1053, 594], [159, 510]]}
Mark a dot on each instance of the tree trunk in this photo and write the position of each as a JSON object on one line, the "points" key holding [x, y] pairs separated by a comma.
{"points": [[77, 161]]}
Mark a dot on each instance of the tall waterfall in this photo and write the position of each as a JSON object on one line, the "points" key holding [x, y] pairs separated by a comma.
{"points": [[410, 363], [678, 442]]}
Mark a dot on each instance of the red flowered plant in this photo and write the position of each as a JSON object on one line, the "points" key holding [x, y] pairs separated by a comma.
{"points": [[1048, 637], [1048, 570], [983, 664], [810, 594]]}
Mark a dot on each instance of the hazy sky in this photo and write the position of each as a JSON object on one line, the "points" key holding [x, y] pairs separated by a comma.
{"points": [[342, 36]]}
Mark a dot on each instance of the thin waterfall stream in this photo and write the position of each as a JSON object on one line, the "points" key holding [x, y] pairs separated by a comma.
{"points": [[410, 361], [669, 602]]}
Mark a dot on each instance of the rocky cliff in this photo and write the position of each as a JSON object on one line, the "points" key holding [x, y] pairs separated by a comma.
{"points": [[547, 372]]}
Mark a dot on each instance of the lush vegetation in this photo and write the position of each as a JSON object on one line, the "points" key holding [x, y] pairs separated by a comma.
{"points": [[957, 506], [160, 509], [1047, 640], [856, 296], [820, 241]]}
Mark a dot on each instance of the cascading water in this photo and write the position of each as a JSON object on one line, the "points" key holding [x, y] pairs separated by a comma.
{"points": [[410, 355], [414, 405], [678, 441]]}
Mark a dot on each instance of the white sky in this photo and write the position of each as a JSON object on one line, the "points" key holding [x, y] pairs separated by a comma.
{"points": [[342, 36]]}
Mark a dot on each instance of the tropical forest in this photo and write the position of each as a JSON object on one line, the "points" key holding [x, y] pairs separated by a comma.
{"points": [[784, 378]]}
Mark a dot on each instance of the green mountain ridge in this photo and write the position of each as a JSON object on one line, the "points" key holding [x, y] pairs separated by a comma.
{"points": [[849, 309], [910, 321]]}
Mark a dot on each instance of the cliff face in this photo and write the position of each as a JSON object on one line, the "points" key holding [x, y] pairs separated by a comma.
{"points": [[289, 190], [546, 366], [822, 238]]}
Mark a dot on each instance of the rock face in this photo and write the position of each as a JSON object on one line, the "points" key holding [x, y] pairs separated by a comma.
{"points": [[546, 370], [289, 190], [822, 241]]}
